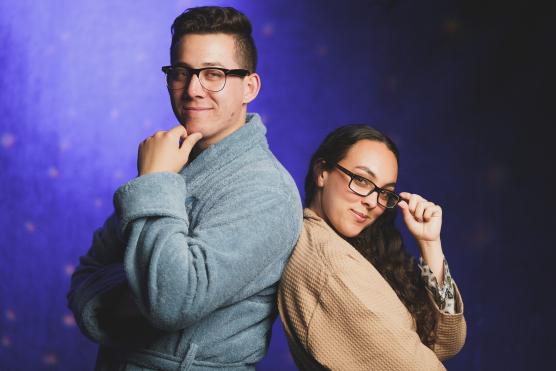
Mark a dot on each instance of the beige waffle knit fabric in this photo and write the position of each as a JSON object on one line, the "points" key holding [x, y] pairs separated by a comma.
{"points": [[340, 314]]}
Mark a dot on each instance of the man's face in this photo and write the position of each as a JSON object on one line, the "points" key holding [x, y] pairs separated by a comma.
{"points": [[213, 114]]}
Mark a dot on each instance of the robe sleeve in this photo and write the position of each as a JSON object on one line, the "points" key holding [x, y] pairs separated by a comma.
{"points": [[97, 286], [179, 272]]}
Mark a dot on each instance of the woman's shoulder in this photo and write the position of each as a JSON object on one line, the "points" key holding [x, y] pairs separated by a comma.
{"points": [[323, 241], [310, 261]]}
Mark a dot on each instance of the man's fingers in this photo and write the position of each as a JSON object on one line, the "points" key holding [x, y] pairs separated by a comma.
{"points": [[178, 130], [189, 142]]}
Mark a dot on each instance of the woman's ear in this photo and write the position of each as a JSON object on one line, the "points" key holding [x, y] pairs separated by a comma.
{"points": [[321, 174]]}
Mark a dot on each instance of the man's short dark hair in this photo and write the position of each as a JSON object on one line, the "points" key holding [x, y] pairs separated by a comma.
{"points": [[215, 19]]}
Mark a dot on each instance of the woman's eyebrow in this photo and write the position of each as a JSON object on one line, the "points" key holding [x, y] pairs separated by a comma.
{"points": [[367, 170], [373, 176]]}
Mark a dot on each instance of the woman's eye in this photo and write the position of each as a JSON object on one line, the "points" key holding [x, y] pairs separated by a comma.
{"points": [[386, 195], [362, 181]]}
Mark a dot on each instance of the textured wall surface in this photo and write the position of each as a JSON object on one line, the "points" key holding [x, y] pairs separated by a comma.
{"points": [[463, 87]]}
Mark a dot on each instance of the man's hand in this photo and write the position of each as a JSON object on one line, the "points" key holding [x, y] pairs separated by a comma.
{"points": [[162, 151]]}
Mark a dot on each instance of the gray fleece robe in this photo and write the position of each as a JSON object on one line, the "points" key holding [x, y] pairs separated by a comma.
{"points": [[200, 253]]}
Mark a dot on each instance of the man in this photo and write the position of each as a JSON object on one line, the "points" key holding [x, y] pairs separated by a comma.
{"points": [[183, 275]]}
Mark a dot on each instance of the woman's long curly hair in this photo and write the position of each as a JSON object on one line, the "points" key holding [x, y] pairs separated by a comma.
{"points": [[381, 242]]}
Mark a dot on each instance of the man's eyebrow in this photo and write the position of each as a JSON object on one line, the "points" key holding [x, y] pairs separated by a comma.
{"points": [[212, 64], [206, 64], [373, 176]]}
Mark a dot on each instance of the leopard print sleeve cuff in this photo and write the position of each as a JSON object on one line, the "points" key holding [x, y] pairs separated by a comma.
{"points": [[443, 295]]}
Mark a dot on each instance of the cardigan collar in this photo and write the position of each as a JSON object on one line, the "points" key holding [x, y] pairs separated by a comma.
{"points": [[311, 216]]}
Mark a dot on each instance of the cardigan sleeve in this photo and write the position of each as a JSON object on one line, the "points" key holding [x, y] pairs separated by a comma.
{"points": [[451, 329], [179, 272], [355, 328]]}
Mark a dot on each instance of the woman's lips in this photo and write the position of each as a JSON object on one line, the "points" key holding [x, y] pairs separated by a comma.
{"points": [[360, 217]]}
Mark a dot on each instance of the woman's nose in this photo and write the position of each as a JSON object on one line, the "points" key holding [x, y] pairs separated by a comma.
{"points": [[371, 200]]}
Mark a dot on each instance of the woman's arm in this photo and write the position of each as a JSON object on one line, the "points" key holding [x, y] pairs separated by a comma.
{"points": [[424, 221], [443, 294], [360, 324], [451, 329]]}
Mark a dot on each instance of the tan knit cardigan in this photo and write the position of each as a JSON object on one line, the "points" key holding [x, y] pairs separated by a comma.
{"points": [[340, 314]]}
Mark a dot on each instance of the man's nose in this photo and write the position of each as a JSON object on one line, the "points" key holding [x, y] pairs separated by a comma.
{"points": [[194, 87]]}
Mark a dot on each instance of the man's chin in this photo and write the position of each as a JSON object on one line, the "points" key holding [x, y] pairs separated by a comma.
{"points": [[193, 126]]}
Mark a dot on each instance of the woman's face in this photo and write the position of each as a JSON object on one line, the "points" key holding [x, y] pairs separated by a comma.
{"points": [[345, 211]]}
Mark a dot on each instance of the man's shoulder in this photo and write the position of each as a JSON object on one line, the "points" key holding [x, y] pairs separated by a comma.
{"points": [[260, 166]]}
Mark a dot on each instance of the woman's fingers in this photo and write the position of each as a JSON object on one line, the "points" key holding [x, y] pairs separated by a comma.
{"points": [[421, 209], [436, 211], [414, 200], [428, 213]]}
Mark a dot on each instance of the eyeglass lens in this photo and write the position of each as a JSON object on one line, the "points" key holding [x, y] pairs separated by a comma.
{"points": [[363, 188], [210, 79]]}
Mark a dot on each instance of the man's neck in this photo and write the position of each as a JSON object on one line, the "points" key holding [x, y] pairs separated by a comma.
{"points": [[202, 145]]}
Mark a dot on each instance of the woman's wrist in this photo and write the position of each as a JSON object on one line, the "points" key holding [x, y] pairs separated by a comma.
{"points": [[427, 245], [432, 254]]}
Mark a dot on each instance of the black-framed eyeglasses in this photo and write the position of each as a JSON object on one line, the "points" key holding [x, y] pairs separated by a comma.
{"points": [[211, 78], [364, 187]]}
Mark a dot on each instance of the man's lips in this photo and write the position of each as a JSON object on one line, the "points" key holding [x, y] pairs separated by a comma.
{"points": [[197, 108]]}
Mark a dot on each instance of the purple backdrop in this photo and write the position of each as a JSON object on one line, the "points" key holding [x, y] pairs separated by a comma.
{"points": [[462, 87]]}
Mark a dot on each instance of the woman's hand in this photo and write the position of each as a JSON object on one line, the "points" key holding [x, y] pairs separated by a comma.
{"points": [[163, 152], [424, 221], [422, 218]]}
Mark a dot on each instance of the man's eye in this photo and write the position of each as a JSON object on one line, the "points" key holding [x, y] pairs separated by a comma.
{"points": [[213, 74], [179, 75]]}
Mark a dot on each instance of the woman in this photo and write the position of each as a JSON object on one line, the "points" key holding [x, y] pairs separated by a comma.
{"points": [[351, 298]]}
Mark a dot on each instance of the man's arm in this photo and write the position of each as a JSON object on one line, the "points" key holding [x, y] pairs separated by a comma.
{"points": [[99, 295], [179, 273], [98, 277]]}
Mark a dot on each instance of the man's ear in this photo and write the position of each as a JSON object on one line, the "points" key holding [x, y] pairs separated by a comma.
{"points": [[320, 173], [251, 87]]}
